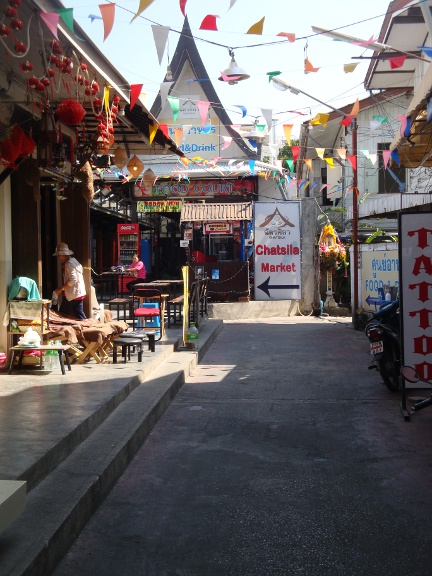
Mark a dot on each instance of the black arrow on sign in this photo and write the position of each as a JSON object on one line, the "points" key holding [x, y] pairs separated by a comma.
{"points": [[265, 286]]}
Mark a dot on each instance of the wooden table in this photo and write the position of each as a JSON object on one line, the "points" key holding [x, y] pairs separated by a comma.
{"points": [[171, 283], [19, 350]]}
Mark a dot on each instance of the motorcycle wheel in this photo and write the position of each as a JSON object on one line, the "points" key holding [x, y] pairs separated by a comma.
{"points": [[389, 370]]}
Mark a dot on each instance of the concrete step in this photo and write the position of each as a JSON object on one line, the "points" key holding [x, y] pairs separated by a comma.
{"points": [[59, 507]]}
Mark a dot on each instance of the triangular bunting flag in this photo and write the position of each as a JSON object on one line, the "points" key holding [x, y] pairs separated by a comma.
{"points": [[66, 15], [353, 161], [380, 119], [164, 129], [108, 13], [320, 119], [268, 116], [350, 67], [232, 2], [373, 158], [295, 152], [397, 62], [164, 91], [308, 67], [374, 124], [252, 166], [51, 19], [287, 128], [427, 50], [257, 28], [329, 162], [152, 132], [346, 121], [323, 186], [308, 162], [226, 78], [242, 108], [183, 7], [227, 141], [320, 152], [178, 135], [203, 107], [273, 74], [354, 189], [135, 91], [236, 127], [403, 121], [160, 36], [185, 161], [143, 5], [341, 152], [386, 156], [209, 23], [175, 106], [290, 37], [429, 110], [394, 155], [355, 108], [290, 163]]}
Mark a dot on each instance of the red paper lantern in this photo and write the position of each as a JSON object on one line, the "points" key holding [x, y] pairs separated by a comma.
{"points": [[15, 3], [10, 149], [55, 47], [70, 112], [20, 48], [16, 24], [4, 31], [28, 145], [11, 13], [33, 82], [84, 66], [26, 67]]}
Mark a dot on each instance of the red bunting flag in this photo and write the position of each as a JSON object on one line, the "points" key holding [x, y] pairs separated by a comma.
{"points": [[209, 23], [295, 152], [397, 62], [183, 7], [353, 161], [135, 91], [346, 121], [164, 129]]}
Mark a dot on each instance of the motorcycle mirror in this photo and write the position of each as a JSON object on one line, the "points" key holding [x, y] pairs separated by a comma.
{"points": [[409, 374]]}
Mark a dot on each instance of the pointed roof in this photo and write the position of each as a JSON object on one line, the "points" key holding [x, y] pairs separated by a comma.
{"points": [[187, 51]]}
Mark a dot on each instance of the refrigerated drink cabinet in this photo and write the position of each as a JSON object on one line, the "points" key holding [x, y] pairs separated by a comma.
{"points": [[128, 245]]}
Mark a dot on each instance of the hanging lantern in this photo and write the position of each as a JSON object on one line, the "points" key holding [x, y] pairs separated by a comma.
{"points": [[46, 138], [148, 178], [120, 157], [70, 112], [135, 166]]}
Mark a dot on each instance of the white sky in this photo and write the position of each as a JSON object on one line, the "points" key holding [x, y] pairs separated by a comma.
{"points": [[131, 48]]}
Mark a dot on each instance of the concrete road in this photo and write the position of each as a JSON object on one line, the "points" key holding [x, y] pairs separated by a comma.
{"points": [[282, 455]]}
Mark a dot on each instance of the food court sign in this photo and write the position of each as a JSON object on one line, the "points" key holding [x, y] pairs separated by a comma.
{"points": [[204, 188], [277, 251], [415, 258]]}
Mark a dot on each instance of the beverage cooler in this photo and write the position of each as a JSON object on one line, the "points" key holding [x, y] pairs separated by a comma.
{"points": [[128, 242]]}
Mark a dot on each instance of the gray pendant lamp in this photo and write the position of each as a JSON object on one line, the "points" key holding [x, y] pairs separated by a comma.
{"points": [[234, 71]]}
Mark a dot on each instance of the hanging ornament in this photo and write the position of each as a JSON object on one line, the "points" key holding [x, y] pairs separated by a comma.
{"points": [[26, 67], [135, 166], [11, 13], [55, 47], [32, 82], [45, 81], [149, 178], [120, 157], [70, 112], [4, 31], [15, 3], [16, 24], [20, 48]]}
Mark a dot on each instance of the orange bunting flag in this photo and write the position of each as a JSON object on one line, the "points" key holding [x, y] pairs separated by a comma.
{"points": [[353, 161], [308, 67], [135, 91], [288, 36], [287, 131], [209, 23], [355, 108], [320, 152], [108, 12], [308, 162], [356, 190], [185, 161], [152, 132], [329, 162], [257, 28], [341, 152], [142, 6], [350, 67], [295, 152], [178, 135]]}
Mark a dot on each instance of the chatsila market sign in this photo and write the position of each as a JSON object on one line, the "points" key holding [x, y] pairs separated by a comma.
{"points": [[277, 250]]}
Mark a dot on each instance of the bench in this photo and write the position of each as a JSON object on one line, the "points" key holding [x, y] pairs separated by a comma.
{"points": [[175, 309]]}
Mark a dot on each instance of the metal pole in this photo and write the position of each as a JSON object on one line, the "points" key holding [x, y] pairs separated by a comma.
{"points": [[355, 224]]}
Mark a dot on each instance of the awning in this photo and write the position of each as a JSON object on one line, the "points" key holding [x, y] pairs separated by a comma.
{"points": [[227, 211], [416, 148]]}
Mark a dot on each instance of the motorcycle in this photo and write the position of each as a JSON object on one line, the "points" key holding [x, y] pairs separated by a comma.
{"points": [[383, 331], [410, 375]]}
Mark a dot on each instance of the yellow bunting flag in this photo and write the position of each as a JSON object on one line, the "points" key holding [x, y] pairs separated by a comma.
{"points": [[350, 67], [308, 162], [257, 28], [152, 132], [320, 119], [106, 98], [184, 160], [329, 162], [142, 6], [320, 152], [287, 131]]}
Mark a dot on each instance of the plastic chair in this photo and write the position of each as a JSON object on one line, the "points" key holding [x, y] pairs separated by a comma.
{"points": [[147, 295]]}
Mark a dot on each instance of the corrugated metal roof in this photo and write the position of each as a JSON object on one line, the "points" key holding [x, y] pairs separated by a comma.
{"points": [[214, 212]]}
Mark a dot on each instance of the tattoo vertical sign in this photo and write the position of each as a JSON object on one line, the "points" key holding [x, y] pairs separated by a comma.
{"points": [[415, 258]]}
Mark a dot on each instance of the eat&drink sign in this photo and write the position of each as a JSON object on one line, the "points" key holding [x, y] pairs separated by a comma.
{"points": [[415, 258]]}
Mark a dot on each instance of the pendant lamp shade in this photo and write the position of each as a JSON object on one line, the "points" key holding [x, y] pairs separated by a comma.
{"points": [[120, 157], [148, 178], [135, 166], [235, 72]]}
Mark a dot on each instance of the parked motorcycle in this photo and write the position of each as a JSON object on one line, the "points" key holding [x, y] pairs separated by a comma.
{"points": [[411, 375], [383, 331]]}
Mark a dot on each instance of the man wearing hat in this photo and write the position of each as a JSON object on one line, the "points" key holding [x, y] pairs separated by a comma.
{"points": [[73, 287]]}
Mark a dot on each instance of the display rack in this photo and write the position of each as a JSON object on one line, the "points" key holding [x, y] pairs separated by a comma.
{"points": [[128, 245]]}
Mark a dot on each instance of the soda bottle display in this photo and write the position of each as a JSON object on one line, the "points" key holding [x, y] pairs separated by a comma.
{"points": [[192, 337]]}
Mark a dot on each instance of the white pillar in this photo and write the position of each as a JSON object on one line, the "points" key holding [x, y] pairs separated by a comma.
{"points": [[5, 253]]}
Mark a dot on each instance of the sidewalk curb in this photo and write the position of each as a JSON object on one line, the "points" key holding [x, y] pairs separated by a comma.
{"points": [[59, 507]]}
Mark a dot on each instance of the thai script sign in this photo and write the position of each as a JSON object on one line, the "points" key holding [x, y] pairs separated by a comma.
{"points": [[380, 270], [415, 256], [277, 251]]}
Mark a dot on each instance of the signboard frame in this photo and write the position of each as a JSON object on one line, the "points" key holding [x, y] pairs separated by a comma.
{"points": [[277, 236]]}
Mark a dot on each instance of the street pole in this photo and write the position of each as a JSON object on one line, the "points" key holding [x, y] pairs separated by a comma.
{"points": [[355, 224]]}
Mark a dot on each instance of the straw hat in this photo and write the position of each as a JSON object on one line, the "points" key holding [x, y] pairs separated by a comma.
{"points": [[62, 249]]}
